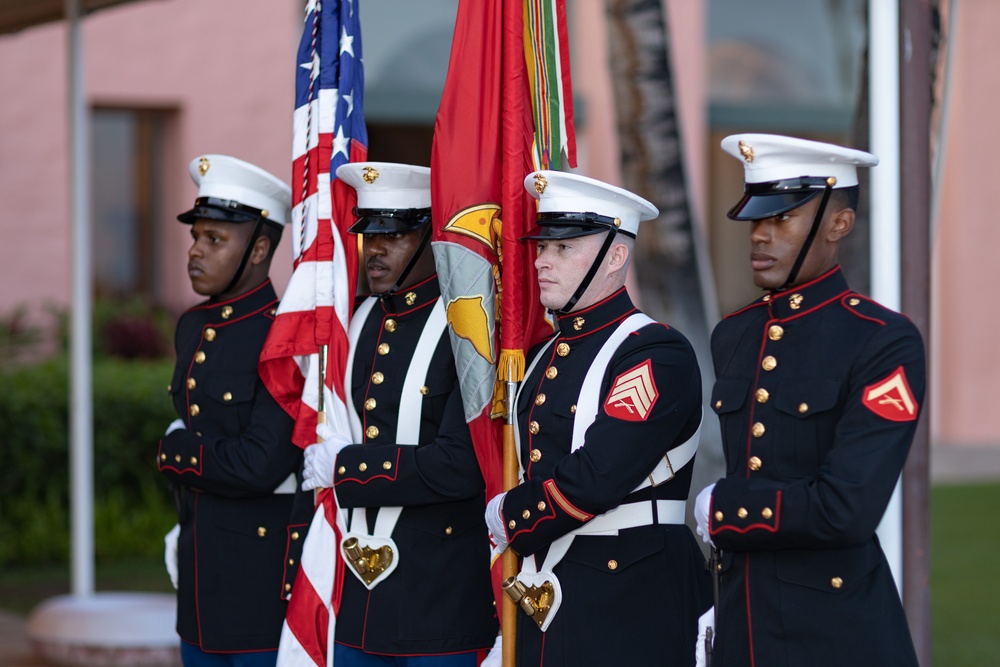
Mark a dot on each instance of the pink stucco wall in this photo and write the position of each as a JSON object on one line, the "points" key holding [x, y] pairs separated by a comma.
{"points": [[223, 68], [965, 380]]}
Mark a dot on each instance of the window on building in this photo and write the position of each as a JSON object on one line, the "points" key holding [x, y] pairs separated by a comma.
{"points": [[127, 155]]}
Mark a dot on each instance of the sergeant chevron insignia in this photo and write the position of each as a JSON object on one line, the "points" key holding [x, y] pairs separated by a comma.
{"points": [[632, 394], [891, 398]]}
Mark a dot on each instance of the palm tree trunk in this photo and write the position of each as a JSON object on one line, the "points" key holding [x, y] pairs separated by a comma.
{"points": [[671, 262]]}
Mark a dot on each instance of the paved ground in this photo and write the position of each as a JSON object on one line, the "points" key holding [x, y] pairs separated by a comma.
{"points": [[14, 648], [949, 465]]}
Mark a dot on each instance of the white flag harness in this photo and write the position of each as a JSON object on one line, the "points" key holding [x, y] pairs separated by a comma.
{"points": [[630, 515]]}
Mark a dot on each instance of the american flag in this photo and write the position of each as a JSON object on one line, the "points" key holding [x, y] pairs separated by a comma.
{"points": [[329, 130]]}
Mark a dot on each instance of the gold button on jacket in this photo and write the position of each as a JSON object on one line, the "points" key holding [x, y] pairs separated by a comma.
{"points": [[403, 364], [215, 380], [822, 370]]}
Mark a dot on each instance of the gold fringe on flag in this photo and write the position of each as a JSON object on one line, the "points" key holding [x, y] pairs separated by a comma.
{"points": [[510, 368]]}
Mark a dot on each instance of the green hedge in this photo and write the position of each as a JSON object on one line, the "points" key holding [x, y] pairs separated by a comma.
{"points": [[133, 507]]}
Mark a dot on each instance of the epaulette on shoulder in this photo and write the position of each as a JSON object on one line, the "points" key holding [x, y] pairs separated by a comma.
{"points": [[654, 328], [866, 309]]}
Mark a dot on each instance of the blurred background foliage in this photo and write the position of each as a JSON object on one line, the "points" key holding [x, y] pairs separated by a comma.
{"points": [[132, 365]]}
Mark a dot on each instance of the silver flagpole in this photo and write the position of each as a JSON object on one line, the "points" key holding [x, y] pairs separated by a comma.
{"points": [[81, 386]]}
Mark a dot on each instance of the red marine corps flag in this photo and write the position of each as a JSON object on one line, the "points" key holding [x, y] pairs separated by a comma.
{"points": [[304, 359], [506, 109]]}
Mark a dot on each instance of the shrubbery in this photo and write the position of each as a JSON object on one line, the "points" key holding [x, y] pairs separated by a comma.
{"points": [[133, 507]]}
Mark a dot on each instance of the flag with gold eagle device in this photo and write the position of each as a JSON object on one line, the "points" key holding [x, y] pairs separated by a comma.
{"points": [[304, 359], [505, 111]]}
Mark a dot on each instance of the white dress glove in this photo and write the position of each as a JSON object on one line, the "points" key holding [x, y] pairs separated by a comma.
{"points": [[495, 657], [174, 425], [702, 505], [706, 621], [170, 552], [494, 521], [320, 460]]}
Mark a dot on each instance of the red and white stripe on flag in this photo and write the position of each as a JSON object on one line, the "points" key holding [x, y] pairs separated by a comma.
{"points": [[329, 130]]}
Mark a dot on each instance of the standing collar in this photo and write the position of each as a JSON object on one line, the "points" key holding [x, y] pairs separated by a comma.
{"points": [[801, 299], [412, 297], [588, 320], [238, 307]]}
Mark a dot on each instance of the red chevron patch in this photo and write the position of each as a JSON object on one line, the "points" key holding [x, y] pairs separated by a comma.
{"points": [[891, 398], [632, 394]]}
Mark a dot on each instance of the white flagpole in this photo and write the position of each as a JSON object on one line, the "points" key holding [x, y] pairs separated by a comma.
{"points": [[884, 130], [81, 398]]}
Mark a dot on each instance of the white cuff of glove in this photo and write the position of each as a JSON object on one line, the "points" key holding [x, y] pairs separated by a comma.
{"points": [[706, 621], [170, 552], [320, 460], [495, 657], [494, 521], [174, 425], [702, 505]]}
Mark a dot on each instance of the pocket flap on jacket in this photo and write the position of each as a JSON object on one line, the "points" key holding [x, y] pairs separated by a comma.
{"points": [[729, 394], [804, 398], [830, 570]]}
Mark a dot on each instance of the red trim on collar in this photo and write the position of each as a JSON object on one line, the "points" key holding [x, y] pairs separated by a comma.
{"points": [[808, 283], [216, 304], [617, 320], [402, 290], [589, 308], [402, 313], [814, 308]]}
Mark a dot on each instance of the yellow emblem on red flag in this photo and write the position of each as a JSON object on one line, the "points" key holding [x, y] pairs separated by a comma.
{"points": [[891, 398], [633, 394]]}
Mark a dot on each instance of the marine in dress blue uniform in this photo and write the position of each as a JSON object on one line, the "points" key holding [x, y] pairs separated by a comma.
{"points": [[818, 392], [413, 458], [607, 422], [229, 455]]}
